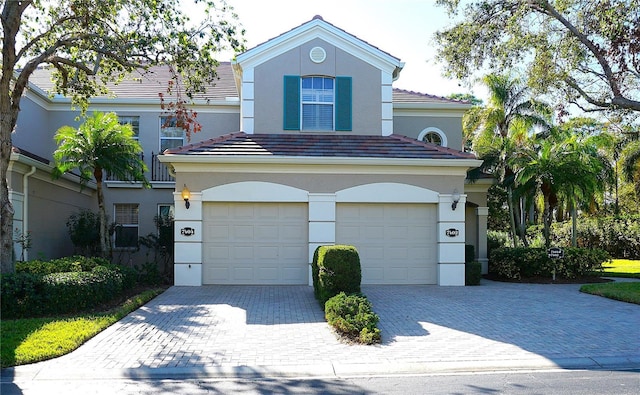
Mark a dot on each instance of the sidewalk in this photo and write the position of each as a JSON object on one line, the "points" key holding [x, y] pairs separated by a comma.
{"points": [[267, 331]]}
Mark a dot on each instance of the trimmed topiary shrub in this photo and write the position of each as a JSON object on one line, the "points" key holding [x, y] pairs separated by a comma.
{"points": [[353, 317], [335, 269], [472, 273], [521, 262]]}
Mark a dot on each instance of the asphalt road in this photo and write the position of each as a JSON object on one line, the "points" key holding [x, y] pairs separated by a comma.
{"points": [[559, 382]]}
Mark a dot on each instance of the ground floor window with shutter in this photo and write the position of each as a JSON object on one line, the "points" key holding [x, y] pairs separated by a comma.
{"points": [[126, 230]]}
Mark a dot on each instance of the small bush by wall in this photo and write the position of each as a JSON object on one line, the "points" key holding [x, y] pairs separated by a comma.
{"points": [[469, 253], [353, 317], [472, 273], [335, 269], [521, 262]]}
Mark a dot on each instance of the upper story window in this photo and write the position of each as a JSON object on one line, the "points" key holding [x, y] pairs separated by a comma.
{"points": [[171, 136], [317, 103], [134, 121], [433, 135]]}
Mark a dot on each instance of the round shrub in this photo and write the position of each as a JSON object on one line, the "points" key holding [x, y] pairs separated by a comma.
{"points": [[353, 317]]}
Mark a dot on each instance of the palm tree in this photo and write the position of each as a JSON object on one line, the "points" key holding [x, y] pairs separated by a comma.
{"points": [[563, 165], [499, 128], [631, 164], [99, 146]]}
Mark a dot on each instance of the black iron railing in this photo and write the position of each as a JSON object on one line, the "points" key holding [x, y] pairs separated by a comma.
{"points": [[159, 172]]}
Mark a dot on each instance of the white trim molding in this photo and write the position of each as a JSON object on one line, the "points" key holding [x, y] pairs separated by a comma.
{"points": [[254, 191], [386, 192]]}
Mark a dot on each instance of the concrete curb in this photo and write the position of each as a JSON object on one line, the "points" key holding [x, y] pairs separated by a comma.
{"points": [[38, 372]]}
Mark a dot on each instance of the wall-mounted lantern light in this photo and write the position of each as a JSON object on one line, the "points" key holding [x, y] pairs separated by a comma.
{"points": [[186, 195], [456, 198]]}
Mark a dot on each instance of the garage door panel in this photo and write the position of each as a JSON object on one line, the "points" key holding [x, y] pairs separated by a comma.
{"points": [[396, 242], [255, 243]]}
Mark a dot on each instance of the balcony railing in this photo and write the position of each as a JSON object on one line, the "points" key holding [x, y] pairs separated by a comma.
{"points": [[159, 172]]}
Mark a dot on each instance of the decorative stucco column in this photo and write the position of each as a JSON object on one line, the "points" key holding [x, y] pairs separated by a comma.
{"points": [[482, 213], [322, 223], [187, 267], [451, 241]]}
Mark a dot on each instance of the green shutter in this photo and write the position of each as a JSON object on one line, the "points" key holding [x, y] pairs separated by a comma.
{"points": [[291, 102], [343, 104]]}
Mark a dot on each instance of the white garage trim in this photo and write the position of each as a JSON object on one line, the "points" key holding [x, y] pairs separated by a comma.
{"points": [[386, 192], [254, 191]]}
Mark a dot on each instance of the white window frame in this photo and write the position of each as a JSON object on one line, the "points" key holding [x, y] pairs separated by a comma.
{"points": [[317, 94], [134, 223], [134, 121], [163, 121], [432, 129]]}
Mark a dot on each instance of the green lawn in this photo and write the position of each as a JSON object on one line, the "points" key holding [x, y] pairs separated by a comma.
{"points": [[622, 268], [624, 291], [29, 340]]}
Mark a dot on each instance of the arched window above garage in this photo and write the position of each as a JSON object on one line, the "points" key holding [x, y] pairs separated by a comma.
{"points": [[433, 135]]}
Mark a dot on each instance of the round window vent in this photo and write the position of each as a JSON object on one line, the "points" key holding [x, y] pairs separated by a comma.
{"points": [[317, 54]]}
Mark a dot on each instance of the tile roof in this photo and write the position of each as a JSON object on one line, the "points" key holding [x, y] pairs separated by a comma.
{"points": [[319, 145], [147, 85], [405, 96]]}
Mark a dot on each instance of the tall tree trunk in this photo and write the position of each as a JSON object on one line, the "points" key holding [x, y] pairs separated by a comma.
{"points": [[574, 226], [512, 220], [548, 215], [8, 117], [105, 251], [6, 209]]}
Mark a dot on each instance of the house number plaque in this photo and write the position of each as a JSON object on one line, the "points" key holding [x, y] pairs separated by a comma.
{"points": [[452, 232], [187, 231]]}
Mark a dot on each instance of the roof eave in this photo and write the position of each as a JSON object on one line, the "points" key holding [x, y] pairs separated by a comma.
{"points": [[319, 160]]}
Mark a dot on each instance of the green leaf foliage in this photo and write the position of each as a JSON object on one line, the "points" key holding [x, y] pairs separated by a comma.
{"points": [[335, 269], [584, 51], [353, 317], [522, 263]]}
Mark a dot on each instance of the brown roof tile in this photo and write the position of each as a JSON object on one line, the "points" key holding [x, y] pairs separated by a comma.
{"points": [[319, 145]]}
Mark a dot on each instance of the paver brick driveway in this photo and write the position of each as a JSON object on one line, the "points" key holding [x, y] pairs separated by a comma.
{"points": [[227, 326]]}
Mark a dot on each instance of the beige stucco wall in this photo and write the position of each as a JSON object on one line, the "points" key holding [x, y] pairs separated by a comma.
{"points": [[411, 126], [319, 183], [269, 94]]}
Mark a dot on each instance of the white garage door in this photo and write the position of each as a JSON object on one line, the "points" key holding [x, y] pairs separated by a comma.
{"points": [[255, 243], [396, 242]]}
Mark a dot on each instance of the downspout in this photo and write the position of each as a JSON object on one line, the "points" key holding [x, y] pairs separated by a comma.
{"points": [[25, 207]]}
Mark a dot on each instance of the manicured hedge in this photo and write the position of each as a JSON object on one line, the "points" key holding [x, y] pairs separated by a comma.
{"points": [[335, 269], [353, 317], [521, 262], [34, 290], [472, 273], [76, 263]]}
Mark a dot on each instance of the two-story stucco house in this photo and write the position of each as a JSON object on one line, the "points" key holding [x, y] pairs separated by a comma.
{"points": [[304, 142]]}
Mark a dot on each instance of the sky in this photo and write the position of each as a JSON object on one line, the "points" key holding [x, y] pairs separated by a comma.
{"points": [[402, 28]]}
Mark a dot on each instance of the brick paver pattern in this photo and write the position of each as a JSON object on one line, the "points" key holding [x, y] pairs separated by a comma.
{"points": [[209, 326]]}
